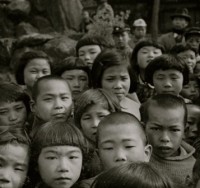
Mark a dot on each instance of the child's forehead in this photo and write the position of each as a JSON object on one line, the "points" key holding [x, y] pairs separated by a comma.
{"points": [[168, 71], [60, 149], [15, 152], [51, 85], [10, 104], [119, 127]]}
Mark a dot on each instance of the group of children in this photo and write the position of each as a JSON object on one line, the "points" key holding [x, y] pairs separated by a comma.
{"points": [[102, 119]]}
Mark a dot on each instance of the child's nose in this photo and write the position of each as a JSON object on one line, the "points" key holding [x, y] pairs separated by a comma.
{"points": [[5, 176], [12, 116], [118, 84], [63, 165], [165, 137], [95, 122], [76, 83], [120, 155], [58, 103]]}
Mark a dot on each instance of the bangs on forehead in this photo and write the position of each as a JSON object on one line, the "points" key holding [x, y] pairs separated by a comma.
{"points": [[52, 134]]}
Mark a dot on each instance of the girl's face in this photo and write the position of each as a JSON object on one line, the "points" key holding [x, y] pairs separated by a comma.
{"points": [[77, 80], [90, 120], [13, 113], [14, 159], [60, 166], [191, 90], [197, 71], [35, 69], [117, 80], [146, 54], [89, 53], [190, 59], [168, 81]]}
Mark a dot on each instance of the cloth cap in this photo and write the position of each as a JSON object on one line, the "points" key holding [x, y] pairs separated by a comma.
{"points": [[139, 23]]}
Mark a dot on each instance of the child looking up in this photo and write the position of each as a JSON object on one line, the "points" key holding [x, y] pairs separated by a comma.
{"points": [[14, 105], [112, 72], [52, 100], [31, 66], [168, 74], [165, 118], [58, 153], [143, 53], [137, 175], [120, 139], [14, 157], [76, 73]]}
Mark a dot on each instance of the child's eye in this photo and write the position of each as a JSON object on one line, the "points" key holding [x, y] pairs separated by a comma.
{"points": [[129, 147], [73, 157], [19, 108], [47, 99], [19, 169], [155, 128], [64, 98], [93, 52], [108, 148], [3, 112], [86, 118], [33, 71], [69, 78], [175, 130], [51, 157]]}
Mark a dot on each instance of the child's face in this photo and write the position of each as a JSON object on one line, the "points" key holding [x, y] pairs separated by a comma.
{"points": [[89, 53], [165, 130], [140, 32], [77, 80], [197, 70], [121, 39], [117, 80], [54, 100], [168, 81], [60, 166], [191, 90], [35, 69], [193, 120], [13, 113], [14, 159], [119, 144], [90, 120], [146, 54], [190, 59], [194, 42]]}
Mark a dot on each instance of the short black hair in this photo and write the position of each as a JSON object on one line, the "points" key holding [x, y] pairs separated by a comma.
{"points": [[140, 45], [11, 92], [36, 85], [165, 101], [181, 48], [109, 58], [25, 59], [121, 118], [166, 62], [92, 40], [72, 63]]}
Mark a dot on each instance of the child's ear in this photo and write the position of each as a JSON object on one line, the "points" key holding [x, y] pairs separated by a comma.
{"points": [[32, 106], [148, 151]]}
